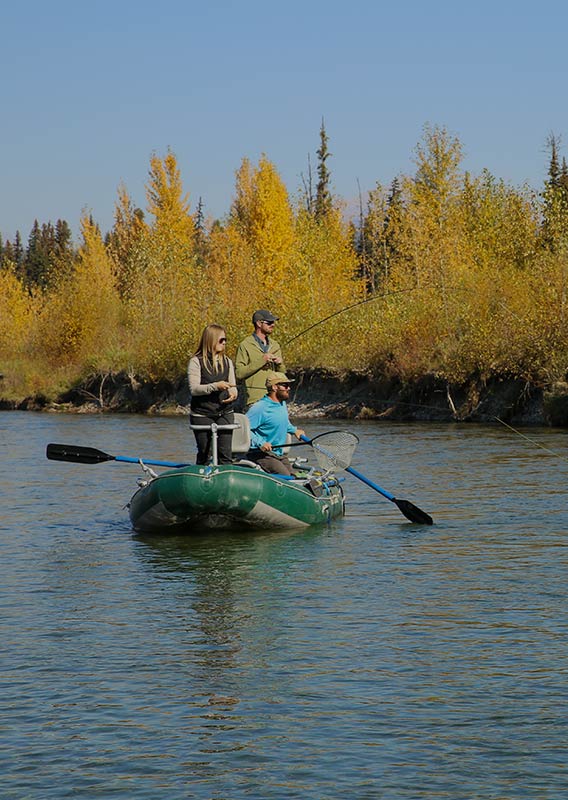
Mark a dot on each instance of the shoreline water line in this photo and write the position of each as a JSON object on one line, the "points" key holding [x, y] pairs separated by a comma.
{"points": [[323, 393]]}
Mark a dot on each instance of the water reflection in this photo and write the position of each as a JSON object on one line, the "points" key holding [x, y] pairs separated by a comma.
{"points": [[224, 586]]}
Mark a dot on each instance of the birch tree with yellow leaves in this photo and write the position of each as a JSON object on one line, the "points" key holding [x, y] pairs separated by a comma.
{"points": [[325, 280], [126, 242], [252, 257], [161, 303], [17, 309], [269, 229]]}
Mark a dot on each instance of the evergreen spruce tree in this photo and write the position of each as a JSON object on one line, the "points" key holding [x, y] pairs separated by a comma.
{"points": [[62, 252], [308, 195], [8, 255], [49, 255], [324, 202], [555, 210], [563, 183], [370, 243], [62, 238], [553, 168], [18, 256], [36, 264], [200, 237], [392, 224]]}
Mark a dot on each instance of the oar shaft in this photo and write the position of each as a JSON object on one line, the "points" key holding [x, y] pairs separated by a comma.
{"points": [[152, 462], [410, 511], [370, 483]]}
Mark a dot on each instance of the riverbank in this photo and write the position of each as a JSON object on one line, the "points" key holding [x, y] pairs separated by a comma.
{"points": [[321, 393]]}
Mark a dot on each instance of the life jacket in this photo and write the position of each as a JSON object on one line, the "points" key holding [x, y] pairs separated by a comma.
{"points": [[210, 405]]}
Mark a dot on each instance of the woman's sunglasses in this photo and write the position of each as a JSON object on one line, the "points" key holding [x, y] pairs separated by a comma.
{"points": [[222, 340]]}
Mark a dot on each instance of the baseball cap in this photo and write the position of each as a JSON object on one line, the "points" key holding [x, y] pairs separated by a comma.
{"points": [[277, 377], [263, 314]]}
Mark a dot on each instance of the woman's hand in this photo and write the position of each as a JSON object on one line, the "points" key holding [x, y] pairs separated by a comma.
{"points": [[233, 394], [222, 385]]}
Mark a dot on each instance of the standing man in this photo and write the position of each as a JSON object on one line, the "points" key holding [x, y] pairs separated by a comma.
{"points": [[270, 424], [258, 354]]}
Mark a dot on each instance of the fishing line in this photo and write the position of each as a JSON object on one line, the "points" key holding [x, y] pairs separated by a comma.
{"points": [[532, 441], [421, 405]]}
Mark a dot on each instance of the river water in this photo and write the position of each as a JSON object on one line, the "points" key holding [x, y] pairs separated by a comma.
{"points": [[368, 659]]}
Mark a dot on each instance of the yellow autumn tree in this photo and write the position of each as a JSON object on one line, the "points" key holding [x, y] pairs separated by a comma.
{"points": [[500, 226], [231, 288], [81, 322], [433, 223], [501, 222], [240, 215], [161, 303], [271, 228], [262, 214], [324, 280], [268, 257], [417, 324], [251, 258], [16, 315], [125, 242]]}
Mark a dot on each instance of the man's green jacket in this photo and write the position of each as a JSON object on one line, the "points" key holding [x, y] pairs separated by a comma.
{"points": [[251, 368]]}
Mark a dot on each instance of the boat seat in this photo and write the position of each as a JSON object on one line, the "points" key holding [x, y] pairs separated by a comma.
{"points": [[241, 435]]}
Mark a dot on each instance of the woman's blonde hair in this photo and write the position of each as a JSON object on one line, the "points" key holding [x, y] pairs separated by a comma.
{"points": [[214, 362]]}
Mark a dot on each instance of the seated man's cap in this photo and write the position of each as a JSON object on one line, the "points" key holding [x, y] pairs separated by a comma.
{"points": [[277, 377], [263, 314]]}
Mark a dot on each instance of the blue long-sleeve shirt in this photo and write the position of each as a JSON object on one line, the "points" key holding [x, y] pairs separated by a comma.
{"points": [[269, 422]]}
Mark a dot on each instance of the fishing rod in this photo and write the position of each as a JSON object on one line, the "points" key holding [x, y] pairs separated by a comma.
{"points": [[355, 305], [390, 294]]}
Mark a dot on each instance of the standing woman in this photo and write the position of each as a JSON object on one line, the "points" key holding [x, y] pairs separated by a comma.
{"points": [[213, 391]]}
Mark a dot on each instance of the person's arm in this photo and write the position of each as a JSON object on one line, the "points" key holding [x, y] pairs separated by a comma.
{"points": [[298, 432], [291, 428], [254, 415], [276, 351], [248, 361], [233, 393], [195, 386]]}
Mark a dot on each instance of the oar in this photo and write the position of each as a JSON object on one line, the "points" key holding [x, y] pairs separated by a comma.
{"points": [[410, 511], [89, 455]]}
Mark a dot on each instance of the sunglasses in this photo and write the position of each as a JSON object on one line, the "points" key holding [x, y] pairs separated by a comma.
{"points": [[284, 385], [271, 322], [222, 340]]}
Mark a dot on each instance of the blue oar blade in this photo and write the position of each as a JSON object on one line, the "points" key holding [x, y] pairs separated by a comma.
{"points": [[410, 511]]}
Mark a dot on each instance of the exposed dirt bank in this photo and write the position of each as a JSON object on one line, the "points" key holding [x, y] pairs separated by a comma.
{"points": [[346, 395]]}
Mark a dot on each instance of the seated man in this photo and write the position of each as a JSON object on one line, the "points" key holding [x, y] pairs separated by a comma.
{"points": [[269, 425]]}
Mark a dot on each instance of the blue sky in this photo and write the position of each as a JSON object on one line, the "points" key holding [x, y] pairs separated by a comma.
{"points": [[90, 91]]}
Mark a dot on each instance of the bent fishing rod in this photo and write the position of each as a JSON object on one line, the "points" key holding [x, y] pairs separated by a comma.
{"points": [[355, 305]]}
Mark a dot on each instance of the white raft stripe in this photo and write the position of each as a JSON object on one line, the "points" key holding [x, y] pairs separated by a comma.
{"points": [[262, 515]]}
